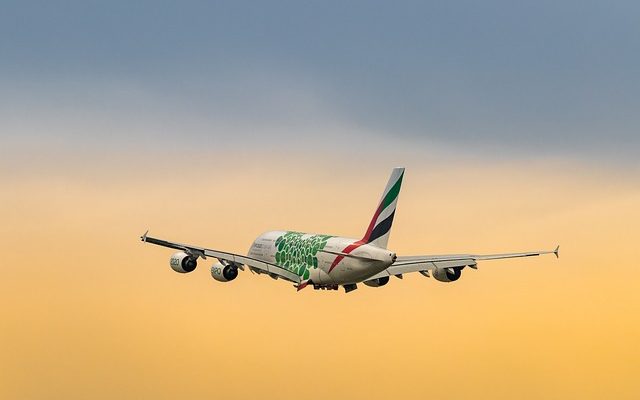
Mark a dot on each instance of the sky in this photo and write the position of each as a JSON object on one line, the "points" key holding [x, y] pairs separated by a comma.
{"points": [[211, 122]]}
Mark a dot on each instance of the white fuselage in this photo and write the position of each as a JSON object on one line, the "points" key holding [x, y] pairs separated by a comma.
{"points": [[322, 259]]}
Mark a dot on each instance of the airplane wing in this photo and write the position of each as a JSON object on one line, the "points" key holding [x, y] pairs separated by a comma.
{"points": [[254, 265], [423, 264]]}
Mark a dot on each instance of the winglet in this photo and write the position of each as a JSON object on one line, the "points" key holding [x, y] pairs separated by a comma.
{"points": [[144, 237], [557, 251]]}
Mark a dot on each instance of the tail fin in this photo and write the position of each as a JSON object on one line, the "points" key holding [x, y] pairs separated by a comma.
{"points": [[380, 225]]}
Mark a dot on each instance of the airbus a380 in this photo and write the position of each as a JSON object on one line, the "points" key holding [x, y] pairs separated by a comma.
{"points": [[327, 262]]}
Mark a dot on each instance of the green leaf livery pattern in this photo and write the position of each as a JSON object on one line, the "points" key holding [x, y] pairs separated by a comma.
{"points": [[298, 254]]}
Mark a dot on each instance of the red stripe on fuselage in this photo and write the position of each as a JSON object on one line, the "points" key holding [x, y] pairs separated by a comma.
{"points": [[364, 240], [302, 285], [346, 250]]}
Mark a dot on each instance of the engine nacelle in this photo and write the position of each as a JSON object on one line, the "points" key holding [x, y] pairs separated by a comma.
{"points": [[182, 262], [377, 282], [447, 274], [223, 273]]}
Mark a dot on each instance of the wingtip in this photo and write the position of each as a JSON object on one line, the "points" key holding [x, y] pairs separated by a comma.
{"points": [[557, 251], [144, 236]]}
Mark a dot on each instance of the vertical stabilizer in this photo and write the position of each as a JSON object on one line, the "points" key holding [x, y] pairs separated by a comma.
{"points": [[380, 225]]}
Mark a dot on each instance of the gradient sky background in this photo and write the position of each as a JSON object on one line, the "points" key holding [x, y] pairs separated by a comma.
{"points": [[212, 122]]}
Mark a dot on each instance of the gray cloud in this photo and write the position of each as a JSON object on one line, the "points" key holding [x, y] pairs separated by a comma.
{"points": [[532, 78]]}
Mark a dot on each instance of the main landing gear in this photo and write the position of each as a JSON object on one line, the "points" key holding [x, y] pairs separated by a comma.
{"points": [[325, 287], [350, 287], [347, 288]]}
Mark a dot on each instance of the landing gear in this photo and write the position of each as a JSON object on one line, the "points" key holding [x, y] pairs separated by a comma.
{"points": [[325, 287], [347, 288], [350, 287]]}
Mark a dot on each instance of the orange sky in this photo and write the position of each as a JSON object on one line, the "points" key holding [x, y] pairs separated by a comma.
{"points": [[90, 312]]}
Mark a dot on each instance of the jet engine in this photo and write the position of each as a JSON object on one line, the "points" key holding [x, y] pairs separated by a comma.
{"points": [[377, 282], [182, 262], [224, 273], [447, 274]]}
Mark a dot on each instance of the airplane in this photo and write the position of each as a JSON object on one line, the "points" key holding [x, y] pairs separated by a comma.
{"points": [[327, 262]]}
